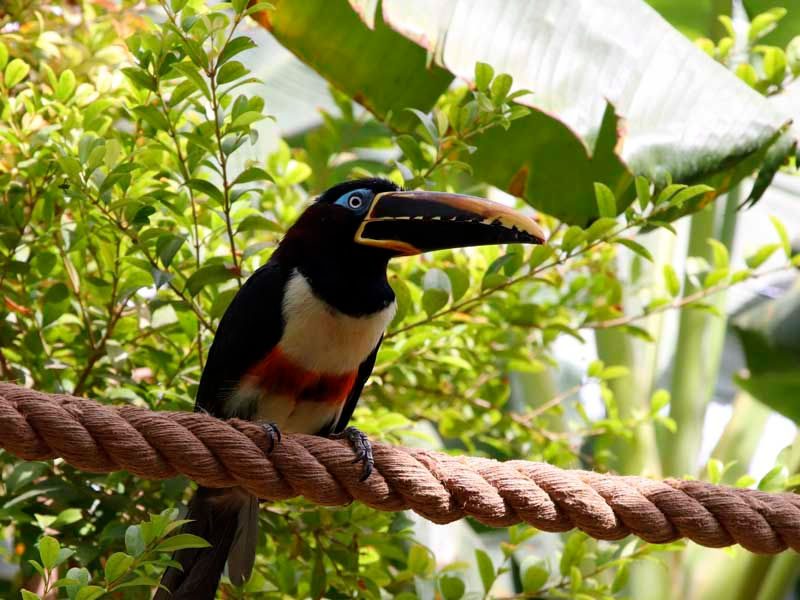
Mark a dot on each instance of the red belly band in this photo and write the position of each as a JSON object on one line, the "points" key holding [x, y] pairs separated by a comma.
{"points": [[277, 374]]}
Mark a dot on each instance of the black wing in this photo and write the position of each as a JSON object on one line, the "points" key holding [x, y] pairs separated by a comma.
{"points": [[364, 370], [251, 326]]}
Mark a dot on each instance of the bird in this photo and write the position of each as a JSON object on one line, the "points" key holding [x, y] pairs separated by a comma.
{"points": [[299, 340]]}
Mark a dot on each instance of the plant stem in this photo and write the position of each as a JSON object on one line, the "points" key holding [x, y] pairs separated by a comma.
{"points": [[634, 455], [697, 353]]}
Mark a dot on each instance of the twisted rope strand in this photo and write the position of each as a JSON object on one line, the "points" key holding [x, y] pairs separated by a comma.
{"points": [[442, 488]]}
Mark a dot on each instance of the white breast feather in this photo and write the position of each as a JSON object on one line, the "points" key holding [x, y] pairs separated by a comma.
{"points": [[319, 338]]}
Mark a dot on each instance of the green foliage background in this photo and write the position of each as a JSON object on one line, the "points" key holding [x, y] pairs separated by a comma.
{"points": [[128, 222]]}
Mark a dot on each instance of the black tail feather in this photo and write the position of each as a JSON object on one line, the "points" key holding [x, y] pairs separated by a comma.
{"points": [[214, 515]]}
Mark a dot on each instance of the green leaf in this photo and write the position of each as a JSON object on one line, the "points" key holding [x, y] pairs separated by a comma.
{"points": [[68, 516], [117, 565], [259, 7], [783, 235], [181, 541], [167, 246], [668, 192], [720, 252], [500, 88], [686, 194], [207, 188], [258, 223], [318, 577], [715, 470], [296, 172], [483, 75], [208, 275], [533, 575], [420, 561], [134, 542], [635, 247], [152, 116], [428, 125], [433, 300], [193, 75], [600, 228], [613, 372], [26, 595], [643, 191], [716, 276], [621, 578], [411, 150], [747, 73], [761, 255], [573, 552], [773, 63], [16, 71], [3, 56], [659, 400], [137, 582], [573, 237], [246, 119], [141, 78], [56, 293], [706, 45], [231, 71], [486, 569], [540, 254], [459, 281], [221, 303], [792, 55], [774, 480], [252, 174], [671, 281], [764, 23], [48, 551], [234, 47], [90, 592], [177, 5], [239, 5], [452, 587], [66, 85], [606, 203]]}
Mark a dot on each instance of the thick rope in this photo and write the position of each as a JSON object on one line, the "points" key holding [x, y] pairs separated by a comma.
{"points": [[158, 445]]}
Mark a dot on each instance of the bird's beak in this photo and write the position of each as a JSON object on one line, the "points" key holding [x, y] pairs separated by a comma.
{"points": [[415, 222]]}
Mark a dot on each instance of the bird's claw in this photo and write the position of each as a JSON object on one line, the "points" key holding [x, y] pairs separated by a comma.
{"points": [[273, 434], [361, 446]]}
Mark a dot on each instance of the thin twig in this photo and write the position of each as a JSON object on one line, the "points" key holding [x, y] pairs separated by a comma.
{"points": [[679, 302]]}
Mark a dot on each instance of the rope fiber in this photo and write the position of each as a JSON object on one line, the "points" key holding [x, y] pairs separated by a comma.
{"points": [[158, 445]]}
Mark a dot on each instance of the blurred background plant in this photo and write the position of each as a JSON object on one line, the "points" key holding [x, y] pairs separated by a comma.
{"points": [[153, 154]]}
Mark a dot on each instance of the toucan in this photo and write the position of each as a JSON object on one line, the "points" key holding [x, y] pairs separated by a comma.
{"points": [[299, 340]]}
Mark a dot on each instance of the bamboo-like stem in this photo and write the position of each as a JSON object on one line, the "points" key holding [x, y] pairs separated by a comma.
{"points": [[699, 349], [615, 347], [741, 436], [782, 573], [632, 393], [532, 390]]}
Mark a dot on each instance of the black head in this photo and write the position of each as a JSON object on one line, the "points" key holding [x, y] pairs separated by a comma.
{"points": [[353, 229]]}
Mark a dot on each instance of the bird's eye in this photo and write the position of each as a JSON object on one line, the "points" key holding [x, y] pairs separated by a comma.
{"points": [[355, 201]]}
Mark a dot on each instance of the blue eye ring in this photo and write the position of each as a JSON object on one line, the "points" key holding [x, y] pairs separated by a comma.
{"points": [[357, 200]]}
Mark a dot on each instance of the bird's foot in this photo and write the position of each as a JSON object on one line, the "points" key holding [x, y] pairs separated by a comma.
{"points": [[362, 447], [273, 434]]}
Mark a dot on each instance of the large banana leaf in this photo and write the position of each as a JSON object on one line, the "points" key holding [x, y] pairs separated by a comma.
{"points": [[680, 113], [769, 333]]}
